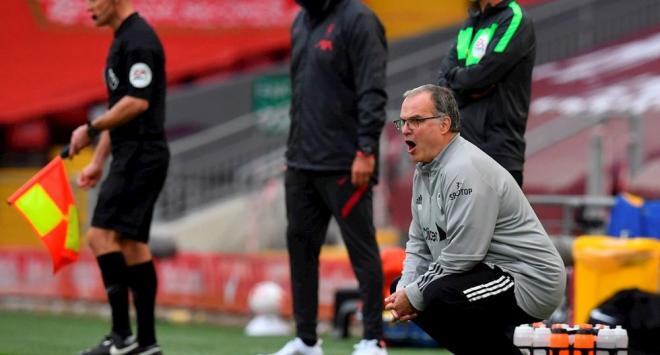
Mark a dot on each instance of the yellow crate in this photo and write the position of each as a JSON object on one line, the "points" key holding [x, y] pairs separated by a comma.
{"points": [[605, 265]]}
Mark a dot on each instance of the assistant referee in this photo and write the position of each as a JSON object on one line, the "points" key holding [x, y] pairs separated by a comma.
{"points": [[132, 130]]}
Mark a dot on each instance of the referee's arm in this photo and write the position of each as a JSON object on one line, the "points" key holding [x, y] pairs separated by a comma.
{"points": [[92, 173], [127, 108]]}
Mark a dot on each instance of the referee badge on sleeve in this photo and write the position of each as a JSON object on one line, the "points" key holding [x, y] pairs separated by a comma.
{"points": [[140, 75], [111, 79]]}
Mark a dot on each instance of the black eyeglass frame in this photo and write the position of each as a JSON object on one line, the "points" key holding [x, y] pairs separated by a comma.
{"points": [[414, 122]]}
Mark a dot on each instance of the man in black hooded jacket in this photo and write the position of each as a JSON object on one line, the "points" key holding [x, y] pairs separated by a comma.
{"points": [[338, 63], [489, 68]]}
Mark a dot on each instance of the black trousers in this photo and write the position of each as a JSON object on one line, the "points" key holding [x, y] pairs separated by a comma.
{"points": [[311, 199], [473, 313]]}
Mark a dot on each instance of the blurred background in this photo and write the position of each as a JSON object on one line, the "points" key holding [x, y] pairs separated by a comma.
{"points": [[220, 221]]}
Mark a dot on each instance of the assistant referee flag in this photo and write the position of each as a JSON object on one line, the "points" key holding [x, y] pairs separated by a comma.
{"points": [[46, 201]]}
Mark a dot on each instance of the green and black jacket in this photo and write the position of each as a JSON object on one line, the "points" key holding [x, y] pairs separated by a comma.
{"points": [[489, 68]]}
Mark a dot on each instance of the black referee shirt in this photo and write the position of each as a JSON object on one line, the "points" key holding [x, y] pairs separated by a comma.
{"points": [[136, 67]]}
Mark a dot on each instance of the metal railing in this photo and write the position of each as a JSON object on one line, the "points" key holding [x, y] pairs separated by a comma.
{"points": [[210, 165], [569, 205], [594, 204]]}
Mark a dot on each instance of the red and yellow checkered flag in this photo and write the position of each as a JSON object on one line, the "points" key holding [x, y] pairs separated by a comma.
{"points": [[46, 201]]}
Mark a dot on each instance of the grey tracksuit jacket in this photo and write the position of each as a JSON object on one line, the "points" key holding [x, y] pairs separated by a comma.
{"points": [[466, 210]]}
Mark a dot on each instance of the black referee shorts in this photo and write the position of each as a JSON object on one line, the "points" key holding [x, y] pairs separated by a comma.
{"points": [[128, 195]]}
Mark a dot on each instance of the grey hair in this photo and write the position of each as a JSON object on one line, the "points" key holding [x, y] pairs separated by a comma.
{"points": [[443, 100]]}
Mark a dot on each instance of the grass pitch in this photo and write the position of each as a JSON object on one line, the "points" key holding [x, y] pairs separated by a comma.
{"points": [[26, 333]]}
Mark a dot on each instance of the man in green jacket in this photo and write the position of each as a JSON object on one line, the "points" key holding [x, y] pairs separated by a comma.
{"points": [[489, 68]]}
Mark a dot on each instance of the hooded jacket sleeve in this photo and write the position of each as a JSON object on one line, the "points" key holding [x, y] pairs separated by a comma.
{"points": [[513, 40], [368, 57], [418, 256]]}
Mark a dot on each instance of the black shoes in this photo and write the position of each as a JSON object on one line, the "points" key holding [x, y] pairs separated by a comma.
{"points": [[113, 344], [146, 350]]}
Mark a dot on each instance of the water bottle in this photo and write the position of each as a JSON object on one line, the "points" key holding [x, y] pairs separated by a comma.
{"points": [[522, 338], [584, 341], [559, 344], [571, 333], [538, 325], [541, 341], [605, 341], [621, 340]]}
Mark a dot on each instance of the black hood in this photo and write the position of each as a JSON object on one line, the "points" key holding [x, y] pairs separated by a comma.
{"points": [[316, 8]]}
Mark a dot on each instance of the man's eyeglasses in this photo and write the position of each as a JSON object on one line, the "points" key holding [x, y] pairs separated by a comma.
{"points": [[414, 122]]}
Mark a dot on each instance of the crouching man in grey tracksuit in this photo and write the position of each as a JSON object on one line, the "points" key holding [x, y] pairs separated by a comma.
{"points": [[478, 261]]}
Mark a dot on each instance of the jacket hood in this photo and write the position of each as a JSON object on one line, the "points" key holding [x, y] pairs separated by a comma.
{"points": [[317, 8]]}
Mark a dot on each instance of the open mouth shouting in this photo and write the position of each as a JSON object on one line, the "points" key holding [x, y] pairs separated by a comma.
{"points": [[411, 146]]}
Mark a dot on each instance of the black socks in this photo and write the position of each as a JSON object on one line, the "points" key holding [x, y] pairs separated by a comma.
{"points": [[113, 271], [143, 283], [309, 342]]}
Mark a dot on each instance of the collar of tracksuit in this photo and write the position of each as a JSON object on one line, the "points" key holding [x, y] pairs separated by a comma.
{"points": [[441, 158]]}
